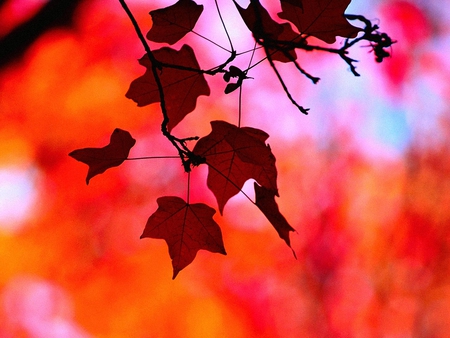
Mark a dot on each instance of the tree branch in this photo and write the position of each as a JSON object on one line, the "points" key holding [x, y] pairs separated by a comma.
{"points": [[186, 155]]}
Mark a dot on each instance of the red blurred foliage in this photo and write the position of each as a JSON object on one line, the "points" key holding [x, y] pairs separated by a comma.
{"points": [[13, 13], [409, 25]]}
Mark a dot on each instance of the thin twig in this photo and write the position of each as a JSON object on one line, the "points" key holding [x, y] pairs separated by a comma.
{"points": [[285, 88], [240, 87], [149, 158], [240, 106], [224, 26], [188, 188], [179, 144], [211, 41], [314, 79]]}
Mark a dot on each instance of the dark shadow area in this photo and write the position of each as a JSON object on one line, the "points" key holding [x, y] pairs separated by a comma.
{"points": [[55, 13]]}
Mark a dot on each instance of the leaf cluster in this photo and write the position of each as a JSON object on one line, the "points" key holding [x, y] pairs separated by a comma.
{"points": [[234, 154]]}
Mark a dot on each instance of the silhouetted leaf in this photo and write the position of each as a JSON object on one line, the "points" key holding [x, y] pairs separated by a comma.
{"points": [[181, 87], [186, 228], [231, 87], [171, 23], [235, 155], [258, 21], [266, 29], [265, 201], [323, 19], [112, 155]]}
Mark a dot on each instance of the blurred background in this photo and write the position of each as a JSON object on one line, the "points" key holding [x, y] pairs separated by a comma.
{"points": [[364, 179]]}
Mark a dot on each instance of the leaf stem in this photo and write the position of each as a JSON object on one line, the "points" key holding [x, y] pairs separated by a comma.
{"points": [[211, 41], [149, 158], [188, 187], [240, 107], [224, 26]]}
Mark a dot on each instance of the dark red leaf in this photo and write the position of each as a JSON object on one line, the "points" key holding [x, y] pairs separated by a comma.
{"points": [[181, 87], [263, 27], [258, 21], [112, 155], [171, 23], [265, 201], [285, 54], [186, 228], [235, 155], [323, 19]]}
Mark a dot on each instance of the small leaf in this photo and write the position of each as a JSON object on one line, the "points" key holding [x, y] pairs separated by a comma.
{"points": [[171, 23], [323, 19], [186, 228], [112, 155], [231, 87], [265, 201], [233, 156], [181, 87]]}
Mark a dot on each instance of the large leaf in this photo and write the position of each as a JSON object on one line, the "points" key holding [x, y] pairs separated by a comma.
{"points": [[323, 19], [186, 228], [112, 155], [235, 155], [171, 23], [181, 87]]}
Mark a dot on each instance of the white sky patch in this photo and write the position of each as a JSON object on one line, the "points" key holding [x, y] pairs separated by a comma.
{"points": [[18, 194], [40, 308]]}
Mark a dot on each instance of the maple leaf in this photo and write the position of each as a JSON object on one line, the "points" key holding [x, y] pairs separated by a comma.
{"points": [[323, 19], [112, 155], [265, 201], [264, 28], [186, 228], [233, 156], [258, 21], [181, 87], [171, 23]]}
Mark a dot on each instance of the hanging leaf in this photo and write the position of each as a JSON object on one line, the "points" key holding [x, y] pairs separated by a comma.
{"points": [[235, 155], [265, 29], [112, 155], [181, 87], [171, 23], [323, 19], [186, 228]]}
